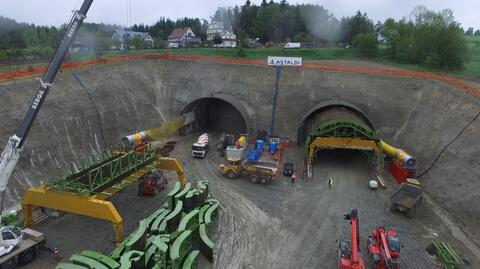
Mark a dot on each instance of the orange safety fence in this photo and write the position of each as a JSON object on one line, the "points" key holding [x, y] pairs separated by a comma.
{"points": [[27, 72]]}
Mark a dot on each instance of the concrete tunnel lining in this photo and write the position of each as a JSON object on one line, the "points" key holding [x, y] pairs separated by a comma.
{"points": [[326, 105], [200, 106]]}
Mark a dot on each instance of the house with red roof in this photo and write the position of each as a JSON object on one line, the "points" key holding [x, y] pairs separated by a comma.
{"points": [[182, 37]]}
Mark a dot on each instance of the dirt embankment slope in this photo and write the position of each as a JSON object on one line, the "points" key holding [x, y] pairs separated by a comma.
{"points": [[420, 115]]}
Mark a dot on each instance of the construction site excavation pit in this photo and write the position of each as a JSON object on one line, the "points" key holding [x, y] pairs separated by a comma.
{"points": [[279, 225]]}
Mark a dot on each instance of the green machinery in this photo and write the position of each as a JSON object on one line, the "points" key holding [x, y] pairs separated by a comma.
{"points": [[85, 192], [170, 238], [98, 175], [445, 254]]}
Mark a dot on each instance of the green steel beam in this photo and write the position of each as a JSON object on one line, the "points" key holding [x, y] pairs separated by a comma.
{"points": [[103, 174]]}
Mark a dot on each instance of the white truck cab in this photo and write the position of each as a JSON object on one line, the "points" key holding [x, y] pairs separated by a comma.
{"points": [[10, 236], [200, 148]]}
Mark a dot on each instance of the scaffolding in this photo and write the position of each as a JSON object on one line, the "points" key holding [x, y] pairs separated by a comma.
{"points": [[85, 192]]}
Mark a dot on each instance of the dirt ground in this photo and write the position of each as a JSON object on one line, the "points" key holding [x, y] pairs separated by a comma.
{"points": [[280, 225]]}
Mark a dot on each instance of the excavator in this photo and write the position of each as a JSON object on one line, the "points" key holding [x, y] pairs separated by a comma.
{"points": [[349, 254], [384, 247]]}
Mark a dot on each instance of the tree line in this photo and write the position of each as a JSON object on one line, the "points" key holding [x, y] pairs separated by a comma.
{"points": [[432, 39], [429, 38]]}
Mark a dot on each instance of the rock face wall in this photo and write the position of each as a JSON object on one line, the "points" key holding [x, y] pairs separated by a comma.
{"points": [[420, 116]]}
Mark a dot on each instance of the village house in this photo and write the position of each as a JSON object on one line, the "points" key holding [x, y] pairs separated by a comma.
{"points": [[120, 39], [180, 37]]}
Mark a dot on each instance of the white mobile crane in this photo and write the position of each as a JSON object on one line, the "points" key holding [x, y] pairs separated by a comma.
{"points": [[10, 238]]}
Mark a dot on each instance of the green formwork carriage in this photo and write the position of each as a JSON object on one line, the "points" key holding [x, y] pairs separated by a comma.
{"points": [[342, 128], [182, 246]]}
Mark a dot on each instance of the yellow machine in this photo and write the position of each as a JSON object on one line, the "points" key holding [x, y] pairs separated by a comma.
{"points": [[401, 156], [257, 172], [242, 141], [95, 206]]}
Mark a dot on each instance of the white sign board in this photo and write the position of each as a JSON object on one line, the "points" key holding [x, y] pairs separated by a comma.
{"points": [[284, 61]]}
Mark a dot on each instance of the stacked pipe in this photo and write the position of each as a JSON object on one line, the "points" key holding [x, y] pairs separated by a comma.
{"points": [[170, 238]]}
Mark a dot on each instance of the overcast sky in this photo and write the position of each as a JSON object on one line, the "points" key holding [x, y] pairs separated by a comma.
{"points": [[56, 12]]}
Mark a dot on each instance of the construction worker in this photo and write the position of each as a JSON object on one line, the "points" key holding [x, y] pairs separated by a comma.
{"points": [[330, 182], [293, 177]]}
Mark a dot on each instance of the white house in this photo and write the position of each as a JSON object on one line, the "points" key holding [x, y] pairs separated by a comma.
{"points": [[120, 38], [229, 39]]}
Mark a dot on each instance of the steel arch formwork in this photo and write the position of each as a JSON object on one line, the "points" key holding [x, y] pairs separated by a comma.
{"points": [[344, 134]]}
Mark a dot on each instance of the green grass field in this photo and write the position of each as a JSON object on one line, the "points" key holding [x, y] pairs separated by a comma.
{"points": [[472, 67], [308, 54]]}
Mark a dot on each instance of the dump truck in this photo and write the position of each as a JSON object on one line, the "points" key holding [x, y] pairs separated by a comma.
{"points": [[407, 197], [22, 253], [257, 172]]}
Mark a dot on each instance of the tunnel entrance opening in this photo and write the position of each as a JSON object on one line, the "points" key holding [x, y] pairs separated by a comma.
{"points": [[343, 129], [215, 115], [332, 109], [343, 158]]}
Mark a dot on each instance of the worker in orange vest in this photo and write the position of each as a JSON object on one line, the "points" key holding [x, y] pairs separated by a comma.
{"points": [[294, 176]]}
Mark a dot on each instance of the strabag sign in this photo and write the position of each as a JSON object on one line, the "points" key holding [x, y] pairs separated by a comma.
{"points": [[284, 61]]}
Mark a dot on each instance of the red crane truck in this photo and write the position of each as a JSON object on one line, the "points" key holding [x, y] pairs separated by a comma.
{"points": [[349, 254], [384, 247]]}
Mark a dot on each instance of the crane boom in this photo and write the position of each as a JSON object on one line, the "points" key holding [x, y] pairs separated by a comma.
{"points": [[14, 147], [355, 235]]}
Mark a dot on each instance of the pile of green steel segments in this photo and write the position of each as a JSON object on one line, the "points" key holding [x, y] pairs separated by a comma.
{"points": [[170, 238]]}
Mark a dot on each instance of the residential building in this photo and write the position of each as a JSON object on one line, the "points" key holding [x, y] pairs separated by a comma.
{"points": [[213, 29], [120, 38], [229, 39], [182, 37]]}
